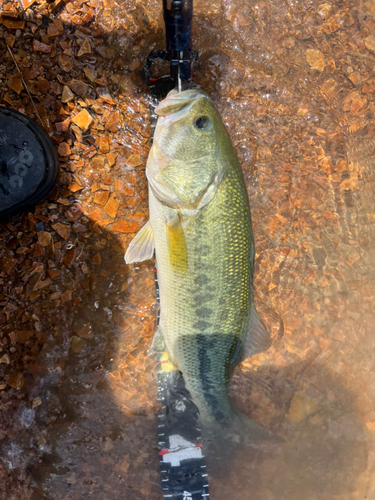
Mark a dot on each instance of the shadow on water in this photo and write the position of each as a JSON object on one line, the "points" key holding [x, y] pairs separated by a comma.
{"points": [[91, 430], [94, 435]]}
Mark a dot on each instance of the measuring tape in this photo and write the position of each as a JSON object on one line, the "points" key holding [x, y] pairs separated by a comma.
{"points": [[182, 464]]}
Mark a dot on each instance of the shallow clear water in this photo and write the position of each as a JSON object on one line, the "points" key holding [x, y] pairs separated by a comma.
{"points": [[294, 83]]}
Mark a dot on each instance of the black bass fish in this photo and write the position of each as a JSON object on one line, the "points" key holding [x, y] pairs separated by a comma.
{"points": [[200, 230]]}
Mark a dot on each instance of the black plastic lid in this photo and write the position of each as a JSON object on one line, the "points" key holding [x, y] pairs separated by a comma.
{"points": [[29, 164]]}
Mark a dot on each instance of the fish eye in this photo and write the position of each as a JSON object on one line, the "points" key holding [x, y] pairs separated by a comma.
{"points": [[202, 122]]}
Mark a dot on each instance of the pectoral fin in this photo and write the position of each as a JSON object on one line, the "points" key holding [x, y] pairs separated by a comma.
{"points": [[142, 245], [258, 338], [177, 245]]}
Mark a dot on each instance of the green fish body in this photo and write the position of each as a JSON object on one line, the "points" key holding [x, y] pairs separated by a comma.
{"points": [[200, 229]]}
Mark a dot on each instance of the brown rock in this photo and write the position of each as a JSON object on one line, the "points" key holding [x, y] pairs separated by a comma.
{"points": [[5, 359], [63, 126], [43, 85], [38, 250], [91, 74], [355, 78], [74, 187], [66, 296], [370, 42], [123, 466], [315, 58], [133, 161], [62, 230], [64, 149], [9, 39], [74, 212], [32, 73], [85, 48], [86, 332], [16, 380], [23, 336], [113, 123], [13, 24], [41, 47], [122, 226], [97, 260], [65, 63], [96, 214], [55, 28], [79, 87], [101, 197], [83, 119], [44, 238], [67, 95], [7, 263], [33, 296], [300, 407], [15, 83], [77, 344], [111, 157], [27, 3], [98, 161], [70, 257], [88, 17], [53, 273], [104, 144], [111, 206], [79, 228]]}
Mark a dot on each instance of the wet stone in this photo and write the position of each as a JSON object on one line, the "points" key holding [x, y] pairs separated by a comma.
{"points": [[122, 226], [133, 161], [300, 407], [15, 83], [79, 87], [44, 238], [104, 144], [70, 257], [83, 119], [16, 380], [370, 43], [66, 296], [113, 124], [85, 48], [101, 197], [97, 260], [5, 359], [77, 344], [74, 212], [9, 39], [63, 126], [98, 161], [64, 149], [65, 63], [13, 24], [67, 94], [315, 58], [41, 47], [91, 74], [112, 206]]}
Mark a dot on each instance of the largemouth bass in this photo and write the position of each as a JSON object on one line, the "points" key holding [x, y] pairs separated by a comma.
{"points": [[200, 229]]}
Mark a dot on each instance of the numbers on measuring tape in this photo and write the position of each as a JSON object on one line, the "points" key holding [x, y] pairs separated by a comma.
{"points": [[187, 495]]}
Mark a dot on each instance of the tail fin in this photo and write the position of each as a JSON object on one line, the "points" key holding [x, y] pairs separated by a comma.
{"points": [[222, 441]]}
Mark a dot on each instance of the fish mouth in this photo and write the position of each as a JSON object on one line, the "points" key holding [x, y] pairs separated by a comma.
{"points": [[176, 101]]}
